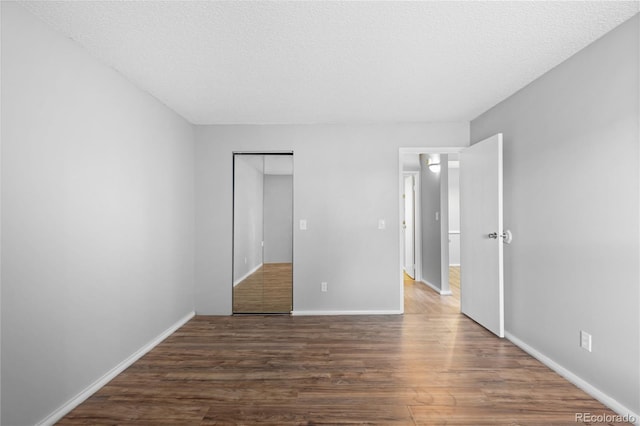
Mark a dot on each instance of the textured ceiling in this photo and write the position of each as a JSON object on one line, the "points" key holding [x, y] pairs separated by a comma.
{"points": [[332, 62]]}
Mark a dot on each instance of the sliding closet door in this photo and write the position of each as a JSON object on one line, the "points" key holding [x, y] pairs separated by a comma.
{"points": [[263, 233], [247, 233]]}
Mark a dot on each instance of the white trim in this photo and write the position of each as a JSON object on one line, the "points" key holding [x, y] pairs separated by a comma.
{"points": [[440, 292], [454, 232], [417, 224], [454, 264], [500, 227], [575, 379], [324, 313], [245, 276], [111, 374]]}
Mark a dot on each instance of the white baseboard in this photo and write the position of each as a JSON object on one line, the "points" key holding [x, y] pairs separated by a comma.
{"points": [[324, 313], [111, 374], [428, 284], [440, 292], [245, 276], [576, 380], [454, 264]]}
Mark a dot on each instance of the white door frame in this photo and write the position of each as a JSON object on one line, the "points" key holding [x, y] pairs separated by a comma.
{"points": [[417, 231], [401, 174]]}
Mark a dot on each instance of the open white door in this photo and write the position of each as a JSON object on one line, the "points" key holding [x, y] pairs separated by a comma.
{"points": [[481, 252], [409, 227]]}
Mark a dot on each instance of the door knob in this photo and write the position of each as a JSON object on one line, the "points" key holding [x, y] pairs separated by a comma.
{"points": [[506, 236]]}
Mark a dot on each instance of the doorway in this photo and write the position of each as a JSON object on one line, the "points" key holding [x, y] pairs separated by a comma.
{"points": [[434, 233], [262, 233], [409, 223], [481, 226]]}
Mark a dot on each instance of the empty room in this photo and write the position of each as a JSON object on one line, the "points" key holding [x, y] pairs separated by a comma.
{"points": [[320, 212]]}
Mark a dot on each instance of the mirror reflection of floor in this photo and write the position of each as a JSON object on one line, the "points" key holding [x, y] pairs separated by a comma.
{"points": [[268, 290]]}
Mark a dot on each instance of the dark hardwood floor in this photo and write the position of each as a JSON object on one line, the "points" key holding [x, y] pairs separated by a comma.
{"points": [[431, 366]]}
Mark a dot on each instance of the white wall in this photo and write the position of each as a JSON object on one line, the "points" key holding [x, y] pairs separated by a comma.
{"points": [[444, 224], [97, 218], [430, 227], [346, 178], [571, 174], [248, 215], [454, 216], [278, 218]]}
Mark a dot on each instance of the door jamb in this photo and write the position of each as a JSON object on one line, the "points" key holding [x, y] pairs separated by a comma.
{"points": [[417, 231]]}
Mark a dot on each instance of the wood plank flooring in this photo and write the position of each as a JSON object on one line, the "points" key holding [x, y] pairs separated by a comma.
{"points": [[418, 301], [431, 366], [268, 290]]}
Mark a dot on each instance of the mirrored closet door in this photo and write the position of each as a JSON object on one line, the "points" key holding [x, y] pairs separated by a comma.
{"points": [[262, 233]]}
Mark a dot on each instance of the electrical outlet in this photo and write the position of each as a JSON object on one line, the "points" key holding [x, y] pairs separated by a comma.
{"points": [[585, 340], [323, 287]]}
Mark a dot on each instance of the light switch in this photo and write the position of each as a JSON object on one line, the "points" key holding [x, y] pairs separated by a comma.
{"points": [[303, 224], [381, 224], [585, 340]]}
